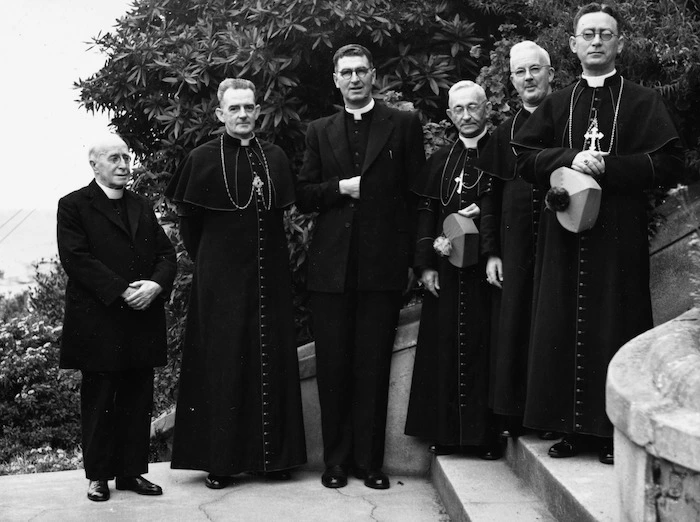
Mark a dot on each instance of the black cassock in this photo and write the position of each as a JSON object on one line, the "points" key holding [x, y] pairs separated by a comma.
{"points": [[449, 392], [239, 401], [518, 207], [592, 288]]}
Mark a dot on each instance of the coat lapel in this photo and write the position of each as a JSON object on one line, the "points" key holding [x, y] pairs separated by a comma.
{"points": [[379, 132], [101, 203], [338, 139]]}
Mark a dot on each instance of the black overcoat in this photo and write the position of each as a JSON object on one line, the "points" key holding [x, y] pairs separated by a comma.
{"points": [[591, 292], [101, 258], [384, 212]]}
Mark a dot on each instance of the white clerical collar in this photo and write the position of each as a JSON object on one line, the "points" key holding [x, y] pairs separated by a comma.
{"points": [[110, 192], [529, 108], [471, 143], [357, 113], [598, 81]]}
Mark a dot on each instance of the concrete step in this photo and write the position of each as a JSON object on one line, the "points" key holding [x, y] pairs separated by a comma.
{"points": [[476, 490], [574, 489], [527, 485]]}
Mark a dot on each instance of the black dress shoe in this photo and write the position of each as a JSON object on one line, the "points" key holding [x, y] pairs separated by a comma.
{"points": [[493, 451], [98, 491], [374, 478], [606, 452], [443, 449], [334, 477], [567, 447], [216, 481], [138, 485], [549, 435]]}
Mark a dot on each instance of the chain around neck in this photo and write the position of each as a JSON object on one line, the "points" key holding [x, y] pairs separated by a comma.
{"points": [[256, 185]]}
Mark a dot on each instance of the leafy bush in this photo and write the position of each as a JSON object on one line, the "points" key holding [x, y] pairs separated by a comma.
{"points": [[48, 294], [43, 459], [39, 404]]}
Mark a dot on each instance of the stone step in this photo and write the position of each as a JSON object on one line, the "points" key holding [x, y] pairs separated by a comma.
{"points": [[574, 489], [527, 485], [476, 490]]}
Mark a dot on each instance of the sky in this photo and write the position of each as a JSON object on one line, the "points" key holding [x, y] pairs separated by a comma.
{"points": [[43, 50]]}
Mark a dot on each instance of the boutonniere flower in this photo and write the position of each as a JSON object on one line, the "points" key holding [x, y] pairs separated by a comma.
{"points": [[442, 246]]}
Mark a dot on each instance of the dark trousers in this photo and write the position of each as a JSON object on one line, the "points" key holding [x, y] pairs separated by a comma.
{"points": [[115, 412], [354, 334]]}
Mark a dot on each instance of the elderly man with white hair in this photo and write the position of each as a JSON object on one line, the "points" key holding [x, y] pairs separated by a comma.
{"points": [[448, 405], [120, 267], [518, 207]]}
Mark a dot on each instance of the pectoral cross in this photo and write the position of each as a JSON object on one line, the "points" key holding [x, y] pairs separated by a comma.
{"points": [[593, 136], [459, 182], [258, 184]]}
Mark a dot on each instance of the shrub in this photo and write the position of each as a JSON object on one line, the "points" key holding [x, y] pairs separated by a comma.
{"points": [[47, 297], [43, 459], [39, 404]]}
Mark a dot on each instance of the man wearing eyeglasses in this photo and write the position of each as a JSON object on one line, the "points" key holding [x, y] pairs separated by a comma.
{"points": [[518, 206], [448, 405], [592, 287], [120, 266], [358, 169]]}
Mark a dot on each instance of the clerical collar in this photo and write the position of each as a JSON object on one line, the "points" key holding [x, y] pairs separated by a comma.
{"points": [[110, 192], [529, 108], [243, 142], [471, 143], [357, 113], [598, 81]]}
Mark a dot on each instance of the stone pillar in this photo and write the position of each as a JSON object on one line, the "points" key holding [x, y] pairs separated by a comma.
{"points": [[653, 400]]}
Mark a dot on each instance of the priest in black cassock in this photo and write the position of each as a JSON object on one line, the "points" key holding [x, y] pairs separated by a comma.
{"points": [[592, 287], [518, 206], [448, 404], [239, 402]]}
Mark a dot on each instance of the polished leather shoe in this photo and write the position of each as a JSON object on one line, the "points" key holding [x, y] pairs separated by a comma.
{"points": [[334, 477], [98, 491], [138, 485], [606, 453], [567, 447], [216, 481], [549, 435], [493, 451], [442, 449], [374, 478]]}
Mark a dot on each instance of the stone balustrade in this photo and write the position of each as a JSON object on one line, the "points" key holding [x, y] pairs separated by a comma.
{"points": [[653, 400]]}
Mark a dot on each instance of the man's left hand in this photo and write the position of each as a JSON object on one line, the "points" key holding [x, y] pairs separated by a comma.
{"points": [[146, 292]]}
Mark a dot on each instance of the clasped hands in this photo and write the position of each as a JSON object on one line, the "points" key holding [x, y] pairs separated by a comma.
{"points": [[140, 294], [591, 162]]}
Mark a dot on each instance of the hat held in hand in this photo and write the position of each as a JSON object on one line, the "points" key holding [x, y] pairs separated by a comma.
{"points": [[464, 240], [575, 197]]}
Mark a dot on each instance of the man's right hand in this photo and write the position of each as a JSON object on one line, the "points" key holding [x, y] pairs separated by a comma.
{"points": [[431, 281], [350, 187]]}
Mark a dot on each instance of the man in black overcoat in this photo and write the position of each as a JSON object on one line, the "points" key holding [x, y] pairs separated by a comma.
{"points": [[358, 168], [120, 267]]}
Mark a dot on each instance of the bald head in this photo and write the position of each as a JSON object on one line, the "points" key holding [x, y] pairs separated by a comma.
{"points": [[478, 90], [103, 142]]}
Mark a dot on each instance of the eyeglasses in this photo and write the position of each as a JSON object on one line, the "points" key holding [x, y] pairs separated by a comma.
{"points": [[472, 109], [589, 34], [117, 158], [534, 71], [346, 74]]}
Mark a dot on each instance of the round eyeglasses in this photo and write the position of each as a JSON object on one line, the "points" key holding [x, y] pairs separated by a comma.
{"points": [[589, 34]]}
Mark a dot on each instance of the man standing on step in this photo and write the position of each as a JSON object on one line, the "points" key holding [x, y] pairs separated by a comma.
{"points": [[592, 287], [518, 209], [358, 169], [120, 267]]}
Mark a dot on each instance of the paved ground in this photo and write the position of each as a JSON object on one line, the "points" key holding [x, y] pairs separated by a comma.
{"points": [[61, 496]]}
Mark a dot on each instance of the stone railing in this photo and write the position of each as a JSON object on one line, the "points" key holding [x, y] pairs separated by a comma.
{"points": [[653, 399], [405, 455]]}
